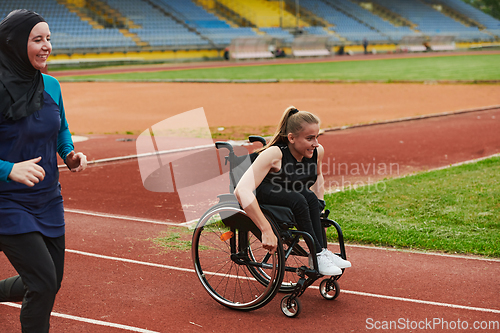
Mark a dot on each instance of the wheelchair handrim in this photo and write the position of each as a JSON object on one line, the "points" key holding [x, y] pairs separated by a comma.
{"points": [[268, 292]]}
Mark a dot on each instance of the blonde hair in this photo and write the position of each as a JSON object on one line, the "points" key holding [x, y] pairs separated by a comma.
{"points": [[292, 121]]}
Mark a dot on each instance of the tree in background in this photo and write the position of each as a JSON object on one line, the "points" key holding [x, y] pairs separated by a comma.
{"points": [[490, 7]]}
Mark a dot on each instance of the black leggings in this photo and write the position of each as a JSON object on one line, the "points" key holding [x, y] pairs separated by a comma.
{"points": [[304, 206], [39, 261]]}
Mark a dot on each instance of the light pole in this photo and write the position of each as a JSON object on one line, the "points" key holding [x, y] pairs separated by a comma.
{"points": [[297, 15], [281, 14]]}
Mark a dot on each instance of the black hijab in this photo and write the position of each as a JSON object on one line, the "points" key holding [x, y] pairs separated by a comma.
{"points": [[21, 85]]}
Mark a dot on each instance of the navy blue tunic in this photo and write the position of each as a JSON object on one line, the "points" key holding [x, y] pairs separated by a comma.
{"points": [[45, 133]]}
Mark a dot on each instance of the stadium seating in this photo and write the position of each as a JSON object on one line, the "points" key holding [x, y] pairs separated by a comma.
{"points": [[344, 25], [265, 14], [217, 31], [431, 22], [156, 28], [491, 24], [385, 28], [69, 32], [187, 24], [285, 35]]}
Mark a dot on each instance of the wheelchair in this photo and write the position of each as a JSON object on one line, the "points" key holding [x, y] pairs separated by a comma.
{"points": [[232, 265]]}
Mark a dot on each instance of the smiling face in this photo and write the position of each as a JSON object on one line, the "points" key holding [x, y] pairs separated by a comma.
{"points": [[304, 143], [39, 47]]}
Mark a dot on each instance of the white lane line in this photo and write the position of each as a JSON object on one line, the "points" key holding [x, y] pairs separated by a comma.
{"points": [[129, 157], [91, 321], [455, 306], [359, 293], [100, 256], [120, 217], [191, 224]]}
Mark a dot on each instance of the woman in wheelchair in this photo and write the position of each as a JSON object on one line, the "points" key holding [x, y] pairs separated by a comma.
{"points": [[286, 173]]}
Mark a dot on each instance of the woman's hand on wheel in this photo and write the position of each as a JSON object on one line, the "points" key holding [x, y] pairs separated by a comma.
{"points": [[27, 172], [269, 241]]}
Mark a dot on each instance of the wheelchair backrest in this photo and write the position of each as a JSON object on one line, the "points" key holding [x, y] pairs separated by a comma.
{"points": [[238, 165]]}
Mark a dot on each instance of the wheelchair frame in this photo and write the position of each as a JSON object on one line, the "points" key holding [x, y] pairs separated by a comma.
{"points": [[234, 268]]}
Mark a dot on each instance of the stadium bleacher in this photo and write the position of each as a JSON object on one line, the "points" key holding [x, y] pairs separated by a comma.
{"points": [[69, 32], [215, 30], [431, 22], [262, 13], [277, 32], [491, 24], [156, 28], [208, 24], [343, 24], [394, 33]]}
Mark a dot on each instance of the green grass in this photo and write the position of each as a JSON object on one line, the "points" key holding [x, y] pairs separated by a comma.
{"points": [[455, 210], [177, 239], [461, 68]]}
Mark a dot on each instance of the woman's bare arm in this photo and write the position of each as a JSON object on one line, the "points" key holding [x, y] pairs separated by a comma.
{"points": [[268, 160], [319, 186]]}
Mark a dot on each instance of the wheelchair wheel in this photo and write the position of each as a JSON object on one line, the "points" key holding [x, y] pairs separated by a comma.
{"points": [[329, 289], [227, 253], [290, 307], [298, 257]]}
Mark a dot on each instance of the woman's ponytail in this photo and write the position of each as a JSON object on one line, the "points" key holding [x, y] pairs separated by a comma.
{"points": [[291, 122]]}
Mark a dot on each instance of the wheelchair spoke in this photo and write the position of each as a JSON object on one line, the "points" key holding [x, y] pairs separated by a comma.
{"points": [[229, 275], [292, 262]]}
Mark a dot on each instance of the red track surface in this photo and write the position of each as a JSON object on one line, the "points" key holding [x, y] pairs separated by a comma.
{"points": [[165, 299]]}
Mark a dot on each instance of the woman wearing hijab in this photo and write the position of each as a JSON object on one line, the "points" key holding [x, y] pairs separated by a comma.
{"points": [[33, 129]]}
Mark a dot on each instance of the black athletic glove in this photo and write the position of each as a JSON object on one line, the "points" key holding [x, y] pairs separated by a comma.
{"points": [[322, 205]]}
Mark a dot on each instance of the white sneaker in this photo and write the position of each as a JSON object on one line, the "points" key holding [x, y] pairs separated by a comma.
{"points": [[325, 265], [338, 261]]}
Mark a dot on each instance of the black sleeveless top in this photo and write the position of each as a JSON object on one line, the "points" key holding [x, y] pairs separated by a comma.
{"points": [[294, 175]]}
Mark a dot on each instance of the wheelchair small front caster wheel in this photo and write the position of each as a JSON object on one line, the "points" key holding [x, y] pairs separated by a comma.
{"points": [[329, 289], [290, 307]]}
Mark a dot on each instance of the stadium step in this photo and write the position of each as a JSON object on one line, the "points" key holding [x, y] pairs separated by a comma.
{"points": [[109, 16], [80, 11], [138, 41], [331, 32], [210, 6], [100, 15], [226, 13], [261, 13], [306, 15]]}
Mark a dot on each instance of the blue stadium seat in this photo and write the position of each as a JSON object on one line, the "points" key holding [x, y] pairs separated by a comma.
{"points": [[182, 23], [156, 28], [344, 25], [491, 24], [431, 22], [67, 29], [219, 32]]}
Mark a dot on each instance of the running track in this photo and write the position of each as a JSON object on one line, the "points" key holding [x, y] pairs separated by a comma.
{"points": [[117, 281]]}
